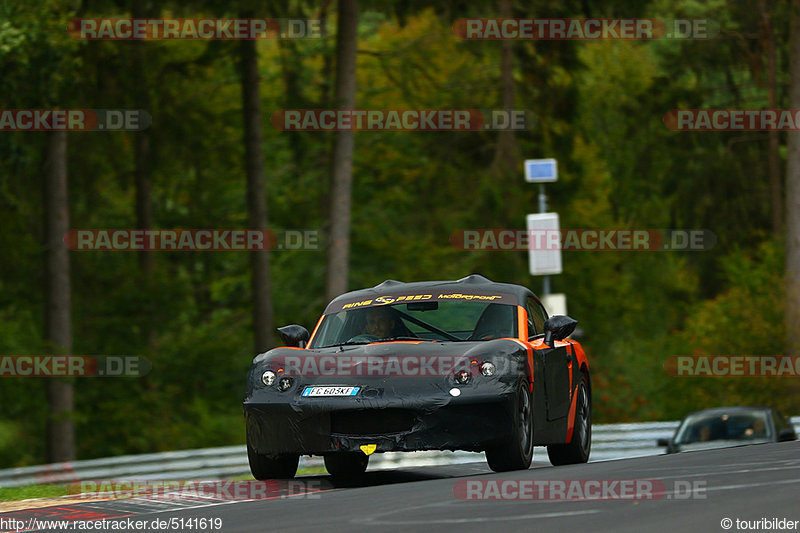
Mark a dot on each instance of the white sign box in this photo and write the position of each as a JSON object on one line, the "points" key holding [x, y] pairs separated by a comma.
{"points": [[555, 304], [544, 258]]}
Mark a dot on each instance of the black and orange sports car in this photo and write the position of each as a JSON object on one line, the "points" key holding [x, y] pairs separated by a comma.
{"points": [[438, 365]]}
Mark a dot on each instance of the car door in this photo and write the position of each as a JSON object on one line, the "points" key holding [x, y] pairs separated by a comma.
{"points": [[553, 364], [556, 381]]}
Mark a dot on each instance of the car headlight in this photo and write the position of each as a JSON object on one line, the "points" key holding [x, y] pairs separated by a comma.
{"points": [[268, 378], [284, 384], [488, 369], [463, 377]]}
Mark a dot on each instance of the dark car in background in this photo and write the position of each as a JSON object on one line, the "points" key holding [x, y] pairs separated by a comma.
{"points": [[725, 427], [468, 365]]}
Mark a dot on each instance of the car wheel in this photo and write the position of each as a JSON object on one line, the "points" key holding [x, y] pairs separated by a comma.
{"points": [[346, 465], [272, 466], [578, 448], [517, 453]]}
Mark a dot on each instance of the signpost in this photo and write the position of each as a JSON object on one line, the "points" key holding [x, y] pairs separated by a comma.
{"points": [[542, 260]]}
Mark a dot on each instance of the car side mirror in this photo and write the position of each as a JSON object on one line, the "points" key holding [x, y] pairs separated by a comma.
{"points": [[558, 328], [294, 335], [786, 435], [662, 442]]}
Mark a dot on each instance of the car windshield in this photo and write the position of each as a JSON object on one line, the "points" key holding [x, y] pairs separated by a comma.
{"points": [[432, 321], [739, 425]]}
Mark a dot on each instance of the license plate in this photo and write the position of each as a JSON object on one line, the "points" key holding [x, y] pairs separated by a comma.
{"points": [[330, 391]]}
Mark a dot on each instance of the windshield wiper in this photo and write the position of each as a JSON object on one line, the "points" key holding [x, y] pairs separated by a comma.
{"points": [[387, 339], [346, 343], [429, 327], [404, 338]]}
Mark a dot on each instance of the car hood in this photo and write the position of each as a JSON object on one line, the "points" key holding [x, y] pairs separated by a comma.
{"points": [[482, 349], [716, 444]]}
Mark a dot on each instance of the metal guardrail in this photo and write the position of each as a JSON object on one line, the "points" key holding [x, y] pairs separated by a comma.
{"points": [[609, 442]]}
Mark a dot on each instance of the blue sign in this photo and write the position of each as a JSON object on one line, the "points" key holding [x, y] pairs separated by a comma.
{"points": [[541, 170]]}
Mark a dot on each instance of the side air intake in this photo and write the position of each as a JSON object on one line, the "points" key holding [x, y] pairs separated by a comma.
{"points": [[388, 283], [474, 278]]}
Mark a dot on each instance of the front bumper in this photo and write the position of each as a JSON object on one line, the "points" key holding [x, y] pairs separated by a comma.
{"points": [[332, 425]]}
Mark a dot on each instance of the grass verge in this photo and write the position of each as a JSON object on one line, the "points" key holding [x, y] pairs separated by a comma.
{"points": [[10, 494]]}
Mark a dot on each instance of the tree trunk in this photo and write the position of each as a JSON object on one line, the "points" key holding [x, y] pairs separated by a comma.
{"points": [[292, 96], [256, 196], [342, 178], [142, 175], [324, 102], [776, 192], [506, 153], [144, 209], [793, 195], [58, 319], [327, 62]]}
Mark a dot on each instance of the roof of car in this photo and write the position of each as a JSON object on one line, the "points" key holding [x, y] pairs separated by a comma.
{"points": [[731, 409], [473, 284]]}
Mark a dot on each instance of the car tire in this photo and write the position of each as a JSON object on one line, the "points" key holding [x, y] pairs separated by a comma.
{"points": [[346, 466], [578, 448], [517, 452], [262, 466]]}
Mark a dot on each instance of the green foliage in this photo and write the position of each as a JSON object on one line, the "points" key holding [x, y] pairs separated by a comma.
{"points": [[745, 319], [599, 108]]}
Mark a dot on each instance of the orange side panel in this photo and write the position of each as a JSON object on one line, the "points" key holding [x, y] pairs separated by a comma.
{"points": [[571, 417], [522, 327], [574, 348], [522, 323], [580, 356]]}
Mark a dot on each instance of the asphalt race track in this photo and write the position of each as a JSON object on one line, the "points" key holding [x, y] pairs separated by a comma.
{"points": [[685, 492]]}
